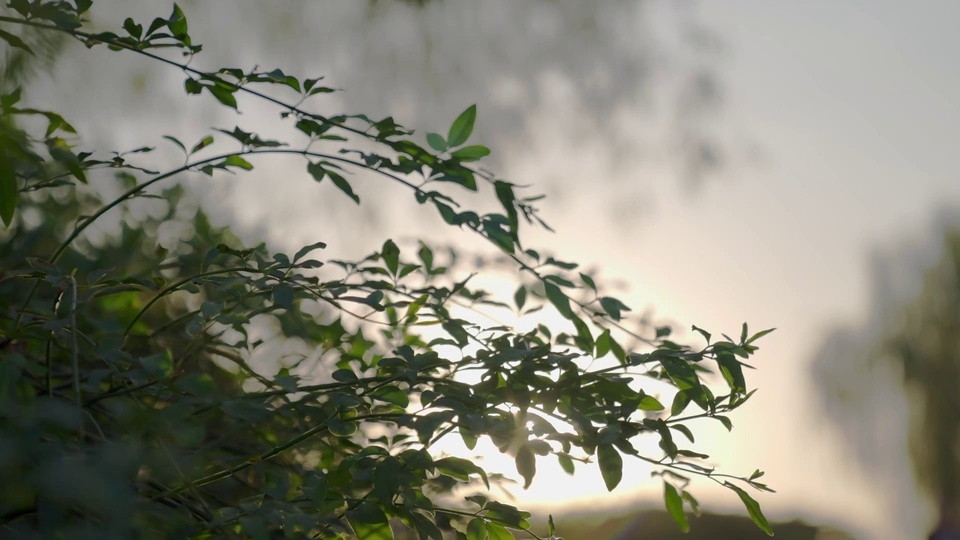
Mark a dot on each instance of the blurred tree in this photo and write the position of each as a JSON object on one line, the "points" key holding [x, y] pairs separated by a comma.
{"points": [[914, 334], [927, 347]]}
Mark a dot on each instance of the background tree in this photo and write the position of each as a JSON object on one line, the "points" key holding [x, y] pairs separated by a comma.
{"points": [[915, 338], [160, 380]]}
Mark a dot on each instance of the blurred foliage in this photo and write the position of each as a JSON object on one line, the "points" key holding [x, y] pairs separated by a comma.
{"points": [[160, 380]]}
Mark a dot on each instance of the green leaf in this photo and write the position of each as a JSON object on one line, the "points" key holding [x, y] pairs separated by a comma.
{"points": [[224, 96], [316, 170], [392, 394], [603, 343], [732, 372], [204, 142], [611, 465], [11, 99], [386, 478], [674, 504], [613, 306], [435, 140], [426, 256], [471, 153], [588, 281], [391, 256], [177, 23], [558, 299], [753, 508], [476, 529], [370, 523], [650, 403], [526, 465], [237, 161], [462, 127], [498, 532], [566, 463], [504, 191], [9, 192], [307, 249], [759, 335], [283, 296], [520, 297], [14, 41], [706, 335], [343, 185]]}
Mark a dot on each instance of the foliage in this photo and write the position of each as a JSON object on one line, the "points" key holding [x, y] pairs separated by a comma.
{"points": [[134, 395]]}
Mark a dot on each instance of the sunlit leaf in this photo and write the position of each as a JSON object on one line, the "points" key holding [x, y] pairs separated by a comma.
{"points": [[753, 508], [674, 505], [526, 465]]}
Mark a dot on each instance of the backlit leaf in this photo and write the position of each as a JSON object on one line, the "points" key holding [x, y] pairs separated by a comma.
{"points": [[462, 127], [674, 505], [611, 465]]}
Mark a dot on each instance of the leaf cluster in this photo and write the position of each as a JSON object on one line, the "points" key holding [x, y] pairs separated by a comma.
{"points": [[147, 391]]}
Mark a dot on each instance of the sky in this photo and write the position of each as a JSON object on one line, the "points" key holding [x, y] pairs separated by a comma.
{"points": [[836, 124]]}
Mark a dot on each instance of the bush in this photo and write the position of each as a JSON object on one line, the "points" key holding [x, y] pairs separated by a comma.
{"points": [[215, 390]]}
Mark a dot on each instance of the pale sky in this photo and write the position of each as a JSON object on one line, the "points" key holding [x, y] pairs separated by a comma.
{"points": [[841, 119]]}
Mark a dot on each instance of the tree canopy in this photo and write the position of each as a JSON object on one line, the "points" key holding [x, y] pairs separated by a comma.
{"points": [[206, 389]]}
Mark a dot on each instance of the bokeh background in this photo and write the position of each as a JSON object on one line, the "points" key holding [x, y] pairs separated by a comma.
{"points": [[792, 164]]}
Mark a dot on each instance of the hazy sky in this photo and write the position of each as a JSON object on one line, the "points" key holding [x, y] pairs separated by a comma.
{"points": [[839, 127]]}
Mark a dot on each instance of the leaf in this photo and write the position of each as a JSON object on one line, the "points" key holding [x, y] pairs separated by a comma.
{"points": [[307, 249], [14, 41], [391, 256], [224, 96], [520, 297], [9, 192], [435, 140], [476, 529], [603, 343], [133, 28], [386, 479], [759, 335], [558, 299], [566, 463], [176, 141], [706, 335], [611, 465], [526, 465], [613, 306], [588, 281], [343, 185], [498, 532], [392, 394], [283, 296], [426, 256], [471, 153], [650, 403], [370, 523], [504, 191], [11, 99], [204, 142], [316, 170], [462, 127], [732, 372], [237, 161], [177, 23], [753, 508], [674, 505]]}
